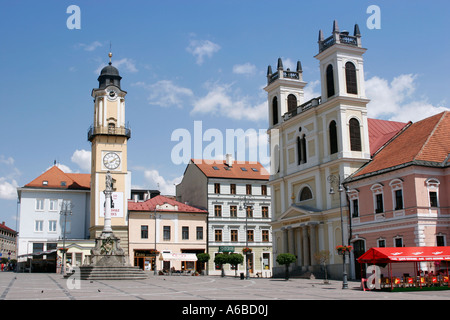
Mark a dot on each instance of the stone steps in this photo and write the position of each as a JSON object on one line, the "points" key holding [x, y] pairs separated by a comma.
{"points": [[111, 273]]}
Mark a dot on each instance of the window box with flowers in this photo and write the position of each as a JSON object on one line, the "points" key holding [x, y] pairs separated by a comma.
{"points": [[343, 249], [154, 251], [246, 250]]}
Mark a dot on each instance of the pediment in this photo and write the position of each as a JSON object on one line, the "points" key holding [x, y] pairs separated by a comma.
{"points": [[295, 211]]}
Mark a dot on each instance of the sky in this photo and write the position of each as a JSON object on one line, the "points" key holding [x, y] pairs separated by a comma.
{"points": [[192, 68]]}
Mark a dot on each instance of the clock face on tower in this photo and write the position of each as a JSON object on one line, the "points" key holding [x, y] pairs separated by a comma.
{"points": [[111, 160]]}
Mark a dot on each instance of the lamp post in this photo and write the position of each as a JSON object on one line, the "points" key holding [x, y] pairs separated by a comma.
{"points": [[245, 201], [66, 209], [332, 179]]}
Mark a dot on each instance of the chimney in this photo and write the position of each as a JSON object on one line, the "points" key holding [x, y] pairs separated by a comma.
{"points": [[229, 160]]}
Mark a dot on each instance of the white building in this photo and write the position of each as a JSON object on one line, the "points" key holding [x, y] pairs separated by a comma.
{"points": [[41, 224], [238, 201]]}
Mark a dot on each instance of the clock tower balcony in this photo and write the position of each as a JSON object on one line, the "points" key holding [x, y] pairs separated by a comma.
{"points": [[108, 131]]}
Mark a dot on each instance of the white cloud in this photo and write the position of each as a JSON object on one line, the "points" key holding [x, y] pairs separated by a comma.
{"points": [[396, 100], [202, 48], [221, 101], [165, 94], [310, 90], [83, 159], [8, 190], [8, 161], [167, 187], [246, 68], [91, 46], [122, 64]]}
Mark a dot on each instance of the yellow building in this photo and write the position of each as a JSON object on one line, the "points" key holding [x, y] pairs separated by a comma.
{"points": [[108, 136], [314, 145]]}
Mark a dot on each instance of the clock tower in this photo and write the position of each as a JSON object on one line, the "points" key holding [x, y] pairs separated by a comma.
{"points": [[109, 135]]}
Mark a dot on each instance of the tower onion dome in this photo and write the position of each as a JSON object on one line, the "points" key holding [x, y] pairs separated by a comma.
{"points": [[109, 76]]}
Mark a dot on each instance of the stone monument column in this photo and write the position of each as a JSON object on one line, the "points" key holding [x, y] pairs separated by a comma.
{"points": [[108, 192]]}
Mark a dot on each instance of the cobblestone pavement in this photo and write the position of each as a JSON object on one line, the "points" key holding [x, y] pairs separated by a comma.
{"points": [[47, 286]]}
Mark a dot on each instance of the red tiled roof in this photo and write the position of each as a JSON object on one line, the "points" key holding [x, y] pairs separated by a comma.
{"points": [[55, 176], [238, 170], [380, 131], [426, 140], [7, 229], [150, 205]]}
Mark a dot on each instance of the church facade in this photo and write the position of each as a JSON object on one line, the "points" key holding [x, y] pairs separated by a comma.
{"points": [[316, 144]]}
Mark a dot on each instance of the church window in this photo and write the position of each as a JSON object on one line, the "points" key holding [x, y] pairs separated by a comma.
{"points": [[350, 78], [305, 194], [275, 111], [330, 81], [355, 135], [292, 103], [301, 149], [333, 137]]}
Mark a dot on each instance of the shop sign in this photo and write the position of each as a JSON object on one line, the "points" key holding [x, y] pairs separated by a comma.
{"points": [[226, 249]]}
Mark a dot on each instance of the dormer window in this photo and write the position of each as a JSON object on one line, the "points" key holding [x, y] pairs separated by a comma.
{"points": [[45, 183]]}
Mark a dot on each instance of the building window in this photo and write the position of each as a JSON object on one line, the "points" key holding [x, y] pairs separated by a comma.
{"points": [[234, 235], [398, 242], [330, 81], [144, 232], [53, 205], [199, 233], [216, 187], [355, 208], [301, 150], [217, 211], [433, 199], [166, 233], [333, 137], [249, 211], [38, 247], [218, 235], [250, 236], [233, 211], [305, 194], [379, 203], [265, 235], [248, 189], [265, 212], [275, 111], [39, 204], [264, 190], [355, 135], [398, 199], [185, 233], [52, 226], [440, 240], [292, 103], [38, 225], [381, 243], [350, 78], [232, 189]]}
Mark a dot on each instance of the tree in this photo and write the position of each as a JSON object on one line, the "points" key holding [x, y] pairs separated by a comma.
{"points": [[322, 258], [203, 258], [286, 259], [221, 259], [235, 259]]}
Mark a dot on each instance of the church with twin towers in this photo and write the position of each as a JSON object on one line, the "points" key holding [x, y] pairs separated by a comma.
{"points": [[315, 145]]}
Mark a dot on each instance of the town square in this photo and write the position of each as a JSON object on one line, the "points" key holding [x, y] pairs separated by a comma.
{"points": [[225, 153]]}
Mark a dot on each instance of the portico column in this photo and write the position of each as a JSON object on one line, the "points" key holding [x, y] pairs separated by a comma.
{"points": [[291, 240], [299, 246], [305, 246], [312, 243]]}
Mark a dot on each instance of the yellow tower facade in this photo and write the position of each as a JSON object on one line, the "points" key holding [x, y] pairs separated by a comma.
{"points": [[109, 135]]}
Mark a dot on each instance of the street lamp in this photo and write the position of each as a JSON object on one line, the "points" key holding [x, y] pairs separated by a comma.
{"points": [[66, 209], [332, 179], [245, 201]]}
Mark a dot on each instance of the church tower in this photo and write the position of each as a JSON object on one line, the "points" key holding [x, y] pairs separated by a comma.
{"points": [[109, 135], [314, 146]]}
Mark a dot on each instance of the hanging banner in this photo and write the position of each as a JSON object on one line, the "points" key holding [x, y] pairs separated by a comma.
{"points": [[116, 205]]}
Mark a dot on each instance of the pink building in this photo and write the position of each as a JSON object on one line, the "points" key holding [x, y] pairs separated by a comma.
{"points": [[401, 198], [166, 234]]}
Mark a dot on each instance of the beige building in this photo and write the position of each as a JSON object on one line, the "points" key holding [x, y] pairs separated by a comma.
{"points": [[8, 245], [315, 144], [167, 234], [238, 201]]}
